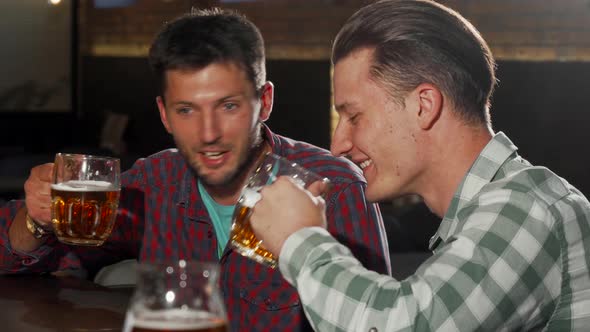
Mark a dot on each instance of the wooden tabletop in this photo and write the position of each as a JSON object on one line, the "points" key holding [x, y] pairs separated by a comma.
{"points": [[48, 303]]}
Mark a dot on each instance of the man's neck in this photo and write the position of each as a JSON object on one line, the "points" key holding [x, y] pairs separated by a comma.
{"points": [[451, 160]]}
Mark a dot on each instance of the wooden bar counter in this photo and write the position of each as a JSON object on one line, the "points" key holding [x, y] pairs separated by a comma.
{"points": [[56, 303]]}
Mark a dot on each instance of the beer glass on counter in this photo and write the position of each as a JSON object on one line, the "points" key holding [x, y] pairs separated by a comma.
{"points": [[272, 166], [183, 296], [84, 198]]}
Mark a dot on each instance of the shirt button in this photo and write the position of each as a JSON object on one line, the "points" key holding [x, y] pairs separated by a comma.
{"points": [[373, 329]]}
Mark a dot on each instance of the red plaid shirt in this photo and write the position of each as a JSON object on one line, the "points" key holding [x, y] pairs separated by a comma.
{"points": [[162, 217]]}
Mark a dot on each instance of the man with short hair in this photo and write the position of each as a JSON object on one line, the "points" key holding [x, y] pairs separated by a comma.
{"points": [[412, 85], [178, 203]]}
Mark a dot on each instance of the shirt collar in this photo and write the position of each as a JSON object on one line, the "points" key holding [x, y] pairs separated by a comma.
{"points": [[273, 140], [498, 150]]}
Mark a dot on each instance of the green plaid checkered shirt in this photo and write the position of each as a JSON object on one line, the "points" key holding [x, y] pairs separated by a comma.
{"points": [[512, 253]]}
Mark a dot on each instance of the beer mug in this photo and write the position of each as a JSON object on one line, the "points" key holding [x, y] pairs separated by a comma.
{"points": [[183, 296], [84, 198], [242, 238]]}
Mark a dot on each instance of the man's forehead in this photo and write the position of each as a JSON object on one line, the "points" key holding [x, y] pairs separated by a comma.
{"points": [[210, 72], [229, 66], [350, 74]]}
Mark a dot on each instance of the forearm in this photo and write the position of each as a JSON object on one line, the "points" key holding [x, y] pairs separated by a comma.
{"points": [[27, 255], [481, 286], [339, 294], [21, 239], [324, 271]]}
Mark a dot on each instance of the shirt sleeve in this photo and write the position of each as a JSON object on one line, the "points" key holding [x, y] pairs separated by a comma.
{"points": [[359, 225], [11, 260], [124, 242], [499, 272]]}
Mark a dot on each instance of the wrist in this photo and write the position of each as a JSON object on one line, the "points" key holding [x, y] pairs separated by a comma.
{"points": [[35, 228]]}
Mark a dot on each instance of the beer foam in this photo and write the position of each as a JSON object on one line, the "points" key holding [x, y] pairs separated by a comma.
{"points": [[84, 185], [177, 320], [250, 197]]}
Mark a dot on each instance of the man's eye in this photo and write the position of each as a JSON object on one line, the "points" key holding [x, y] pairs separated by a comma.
{"points": [[183, 110], [353, 119], [230, 106]]}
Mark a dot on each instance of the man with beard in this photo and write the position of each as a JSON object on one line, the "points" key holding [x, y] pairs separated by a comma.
{"points": [[178, 203]]}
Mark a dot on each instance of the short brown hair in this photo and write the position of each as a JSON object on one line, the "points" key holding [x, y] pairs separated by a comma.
{"points": [[421, 41], [205, 36]]}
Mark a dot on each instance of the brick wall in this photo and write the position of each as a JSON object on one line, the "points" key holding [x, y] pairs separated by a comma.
{"points": [[523, 30], [537, 30], [555, 30]]}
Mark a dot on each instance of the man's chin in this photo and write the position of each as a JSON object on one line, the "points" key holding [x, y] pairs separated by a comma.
{"points": [[220, 180], [214, 182], [211, 177]]}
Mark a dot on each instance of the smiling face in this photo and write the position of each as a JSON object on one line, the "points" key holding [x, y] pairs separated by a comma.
{"points": [[214, 115], [375, 132]]}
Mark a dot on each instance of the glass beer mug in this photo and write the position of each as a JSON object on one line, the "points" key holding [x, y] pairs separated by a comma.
{"points": [[84, 198], [183, 296], [272, 166]]}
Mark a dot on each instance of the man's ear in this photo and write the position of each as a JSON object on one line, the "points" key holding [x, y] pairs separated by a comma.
{"points": [[163, 118], [430, 104], [266, 100]]}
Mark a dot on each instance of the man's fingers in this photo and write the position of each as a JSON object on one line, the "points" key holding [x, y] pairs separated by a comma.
{"points": [[38, 207], [38, 193], [43, 172], [319, 188]]}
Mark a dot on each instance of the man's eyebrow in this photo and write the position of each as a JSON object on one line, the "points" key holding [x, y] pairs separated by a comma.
{"points": [[181, 103], [342, 107], [232, 96]]}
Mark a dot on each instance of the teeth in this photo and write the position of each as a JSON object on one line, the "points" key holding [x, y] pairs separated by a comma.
{"points": [[212, 154], [365, 163]]}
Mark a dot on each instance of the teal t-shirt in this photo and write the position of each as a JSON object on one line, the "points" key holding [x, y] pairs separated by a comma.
{"points": [[221, 216]]}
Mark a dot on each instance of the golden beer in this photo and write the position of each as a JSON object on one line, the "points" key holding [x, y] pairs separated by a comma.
{"points": [[245, 242], [172, 320], [83, 212], [242, 239]]}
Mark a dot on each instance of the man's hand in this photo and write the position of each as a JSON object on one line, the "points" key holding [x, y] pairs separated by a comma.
{"points": [[285, 208], [38, 201], [38, 194]]}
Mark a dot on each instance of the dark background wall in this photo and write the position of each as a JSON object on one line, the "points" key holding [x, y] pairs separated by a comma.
{"points": [[125, 85], [542, 106]]}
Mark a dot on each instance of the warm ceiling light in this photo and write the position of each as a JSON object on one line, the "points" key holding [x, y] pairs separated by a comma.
{"points": [[54, 2]]}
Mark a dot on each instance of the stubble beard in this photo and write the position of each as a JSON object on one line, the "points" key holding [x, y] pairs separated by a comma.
{"points": [[244, 162]]}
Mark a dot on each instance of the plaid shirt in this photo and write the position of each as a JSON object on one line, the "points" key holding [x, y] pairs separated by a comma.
{"points": [[162, 217], [512, 253]]}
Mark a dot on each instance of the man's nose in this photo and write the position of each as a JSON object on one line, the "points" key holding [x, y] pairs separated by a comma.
{"points": [[210, 127], [341, 143]]}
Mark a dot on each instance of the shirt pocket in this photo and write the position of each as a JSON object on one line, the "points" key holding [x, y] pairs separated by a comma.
{"points": [[270, 306]]}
